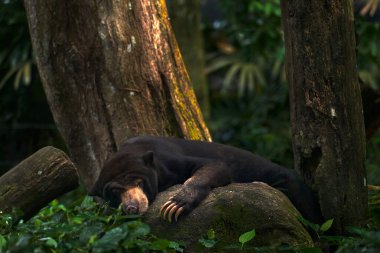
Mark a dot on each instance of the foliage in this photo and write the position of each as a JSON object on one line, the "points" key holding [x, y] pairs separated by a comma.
{"points": [[246, 237], [261, 125], [318, 229], [209, 240], [254, 114], [368, 56], [253, 28], [263, 122], [83, 228], [25, 120], [250, 76], [250, 104], [16, 51], [364, 241], [370, 7]]}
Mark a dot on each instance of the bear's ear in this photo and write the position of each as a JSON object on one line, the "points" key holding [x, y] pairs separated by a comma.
{"points": [[148, 158]]}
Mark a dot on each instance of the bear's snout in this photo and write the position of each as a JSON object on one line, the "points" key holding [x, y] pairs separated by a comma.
{"points": [[134, 201], [131, 208]]}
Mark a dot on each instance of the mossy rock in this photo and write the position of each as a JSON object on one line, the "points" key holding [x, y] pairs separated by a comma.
{"points": [[230, 211]]}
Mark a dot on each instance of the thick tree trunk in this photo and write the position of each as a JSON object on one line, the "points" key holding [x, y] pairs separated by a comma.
{"points": [[326, 107], [111, 70], [185, 17], [36, 181]]}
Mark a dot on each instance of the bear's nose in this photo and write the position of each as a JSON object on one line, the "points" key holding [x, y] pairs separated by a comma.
{"points": [[131, 209]]}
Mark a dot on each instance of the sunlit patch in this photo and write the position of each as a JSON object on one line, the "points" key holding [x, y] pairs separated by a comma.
{"points": [[134, 201]]}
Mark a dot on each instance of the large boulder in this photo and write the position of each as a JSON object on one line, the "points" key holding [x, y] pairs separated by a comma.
{"points": [[230, 211]]}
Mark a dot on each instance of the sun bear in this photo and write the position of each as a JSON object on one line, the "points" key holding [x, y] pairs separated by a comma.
{"points": [[147, 165]]}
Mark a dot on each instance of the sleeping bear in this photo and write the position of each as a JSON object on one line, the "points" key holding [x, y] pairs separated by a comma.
{"points": [[147, 165]]}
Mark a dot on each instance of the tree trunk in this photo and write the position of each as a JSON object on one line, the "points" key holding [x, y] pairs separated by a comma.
{"points": [[185, 17], [111, 70], [326, 107], [32, 184]]}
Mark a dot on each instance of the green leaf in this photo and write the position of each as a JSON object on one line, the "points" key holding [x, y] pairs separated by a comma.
{"points": [[242, 79], [218, 64], [176, 246], [54, 203], [231, 73], [259, 76], [207, 243], [160, 244], [211, 234], [76, 220], [3, 242], [90, 232], [62, 207], [88, 202], [250, 82], [137, 229], [373, 49], [23, 241], [314, 227], [92, 239], [267, 9], [52, 243], [37, 222], [109, 241], [16, 69], [247, 236], [312, 250], [327, 225], [27, 76]]}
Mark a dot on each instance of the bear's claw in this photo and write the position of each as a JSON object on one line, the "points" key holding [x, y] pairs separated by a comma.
{"points": [[163, 207], [169, 208]]}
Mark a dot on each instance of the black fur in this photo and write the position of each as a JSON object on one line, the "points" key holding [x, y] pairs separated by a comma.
{"points": [[200, 166]]}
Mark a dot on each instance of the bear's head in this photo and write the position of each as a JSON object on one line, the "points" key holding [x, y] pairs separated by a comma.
{"points": [[128, 179]]}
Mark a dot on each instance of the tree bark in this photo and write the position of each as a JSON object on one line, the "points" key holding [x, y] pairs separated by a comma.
{"points": [[32, 184], [185, 17], [111, 70], [326, 106]]}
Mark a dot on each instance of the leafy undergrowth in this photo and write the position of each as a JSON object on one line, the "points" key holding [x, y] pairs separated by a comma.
{"points": [[90, 227], [365, 239], [87, 227]]}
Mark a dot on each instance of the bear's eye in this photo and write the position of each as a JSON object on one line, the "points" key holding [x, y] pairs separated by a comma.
{"points": [[112, 193], [114, 197], [139, 183]]}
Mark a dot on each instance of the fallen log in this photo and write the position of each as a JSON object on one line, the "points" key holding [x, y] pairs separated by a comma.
{"points": [[33, 183]]}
